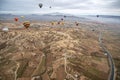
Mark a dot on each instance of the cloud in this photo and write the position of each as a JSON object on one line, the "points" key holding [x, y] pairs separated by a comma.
{"points": [[71, 6], [115, 4]]}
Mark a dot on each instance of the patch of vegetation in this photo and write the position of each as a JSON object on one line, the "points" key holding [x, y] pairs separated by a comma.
{"points": [[22, 67], [2, 75], [3, 45], [117, 65], [3, 61], [96, 58], [11, 49], [88, 73], [46, 50], [41, 67]]}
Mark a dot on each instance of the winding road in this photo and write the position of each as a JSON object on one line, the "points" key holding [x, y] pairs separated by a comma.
{"points": [[110, 60]]}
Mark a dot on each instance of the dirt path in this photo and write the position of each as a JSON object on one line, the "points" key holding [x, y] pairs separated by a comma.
{"points": [[18, 65], [65, 64]]}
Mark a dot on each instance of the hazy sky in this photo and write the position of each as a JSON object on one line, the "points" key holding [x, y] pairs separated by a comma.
{"points": [[76, 7]]}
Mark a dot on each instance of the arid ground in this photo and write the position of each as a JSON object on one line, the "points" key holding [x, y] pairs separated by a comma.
{"points": [[57, 52]]}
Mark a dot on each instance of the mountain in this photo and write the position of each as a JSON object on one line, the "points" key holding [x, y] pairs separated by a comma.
{"points": [[57, 13]]}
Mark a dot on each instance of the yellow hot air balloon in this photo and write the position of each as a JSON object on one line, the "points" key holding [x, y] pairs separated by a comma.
{"points": [[52, 23], [22, 17]]}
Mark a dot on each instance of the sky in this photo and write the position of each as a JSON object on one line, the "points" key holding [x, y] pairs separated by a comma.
{"points": [[75, 7]]}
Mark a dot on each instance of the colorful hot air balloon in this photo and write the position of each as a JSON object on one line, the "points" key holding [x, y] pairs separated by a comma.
{"points": [[22, 17], [26, 24], [40, 5], [16, 19]]}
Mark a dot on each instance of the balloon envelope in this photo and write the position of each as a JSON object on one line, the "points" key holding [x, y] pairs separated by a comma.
{"points": [[97, 15], [62, 19], [16, 19], [22, 17], [64, 16], [26, 24], [40, 5]]}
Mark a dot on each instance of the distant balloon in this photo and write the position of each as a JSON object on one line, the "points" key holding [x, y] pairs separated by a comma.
{"points": [[22, 17], [16, 19], [97, 15], [62, 19], [52, 23], [5, 29], [40, 5], [50, 7], [76, 23], [93, 30], [58, 22], [64, 16], [26, 24]]}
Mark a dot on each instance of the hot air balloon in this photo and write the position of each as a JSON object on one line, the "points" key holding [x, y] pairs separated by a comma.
{"points": [[40, 5], [16, 19], [93, 30], [62, 19], [5, 29], [26, 24], [76, 23], [97, 15], [22, 17], [59, 22], [50, 7], [64, 16]]}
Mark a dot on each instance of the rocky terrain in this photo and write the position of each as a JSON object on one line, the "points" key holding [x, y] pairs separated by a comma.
{"points": [[52, 53]]}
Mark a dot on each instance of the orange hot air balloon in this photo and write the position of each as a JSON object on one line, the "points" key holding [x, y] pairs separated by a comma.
{"points": [[16, 19], [26, 24]]}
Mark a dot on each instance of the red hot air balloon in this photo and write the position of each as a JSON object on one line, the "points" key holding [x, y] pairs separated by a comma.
{"points": [[16, 19]]}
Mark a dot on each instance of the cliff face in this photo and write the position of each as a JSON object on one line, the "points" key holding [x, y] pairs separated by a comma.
{"points": [[69, 53]]}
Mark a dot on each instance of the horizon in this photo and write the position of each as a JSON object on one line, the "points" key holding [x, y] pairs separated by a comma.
{"points": [[58, 14], [55, 12]]}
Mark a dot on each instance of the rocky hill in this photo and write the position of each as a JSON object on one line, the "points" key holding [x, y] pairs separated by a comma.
{"points": [[47, 53]]}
